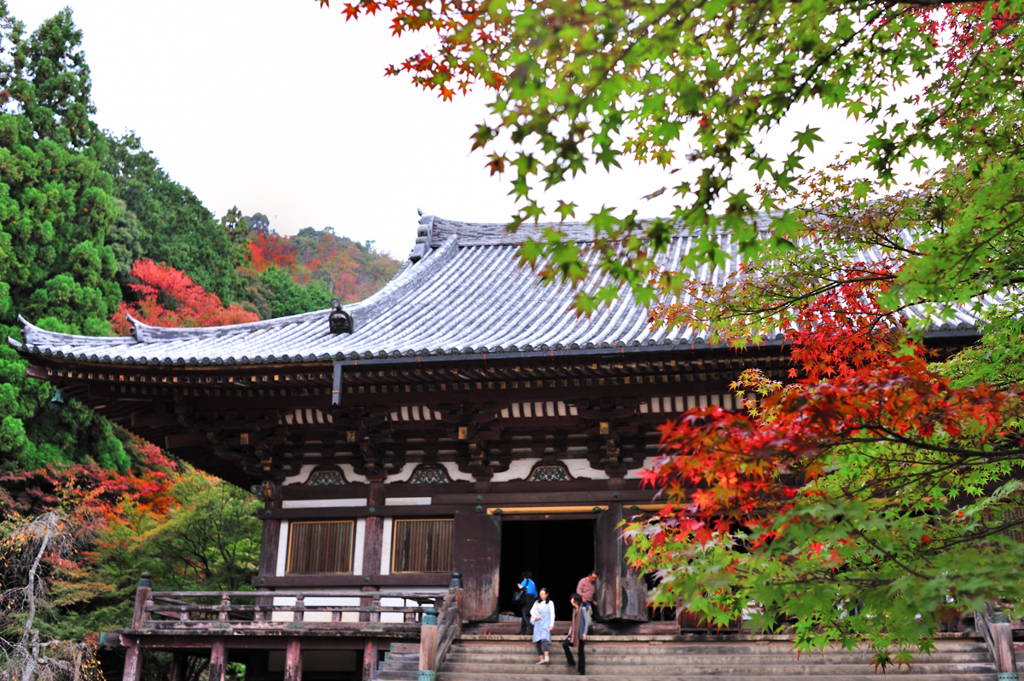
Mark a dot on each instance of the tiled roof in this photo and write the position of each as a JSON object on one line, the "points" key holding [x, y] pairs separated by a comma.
{"points": [[465, 296]]}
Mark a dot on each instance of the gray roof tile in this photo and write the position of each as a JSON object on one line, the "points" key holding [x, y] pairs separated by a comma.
{"points": [[466, 296]]}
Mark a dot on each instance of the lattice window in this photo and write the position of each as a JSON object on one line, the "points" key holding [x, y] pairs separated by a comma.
{"points": [[320, 547], [549, 473], [328, 476], [430, 475], [423, 546]]}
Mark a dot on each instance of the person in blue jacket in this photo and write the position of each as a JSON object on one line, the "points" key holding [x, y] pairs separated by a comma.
{"points": [[529, 588]]}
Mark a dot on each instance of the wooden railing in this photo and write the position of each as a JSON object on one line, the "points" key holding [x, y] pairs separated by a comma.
{"points": [[995, 627], [440, 630], [449, 625], [170, 610]]}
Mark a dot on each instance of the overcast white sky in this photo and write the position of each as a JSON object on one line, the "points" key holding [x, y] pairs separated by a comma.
{"points": [[281, 107]]}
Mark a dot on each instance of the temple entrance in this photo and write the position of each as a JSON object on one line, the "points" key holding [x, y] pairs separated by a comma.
{"points": [[557, 552]]}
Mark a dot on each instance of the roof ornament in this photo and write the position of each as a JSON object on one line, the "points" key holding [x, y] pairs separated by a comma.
{"points": [[424, 238], [340, 321]]}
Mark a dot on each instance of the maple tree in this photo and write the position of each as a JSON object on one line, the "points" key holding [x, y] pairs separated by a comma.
{"points": [[169, 297], [873, 491]]}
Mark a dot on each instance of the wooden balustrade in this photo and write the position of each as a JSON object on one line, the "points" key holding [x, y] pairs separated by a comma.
{"points": [[267, 609], [995, 627]]}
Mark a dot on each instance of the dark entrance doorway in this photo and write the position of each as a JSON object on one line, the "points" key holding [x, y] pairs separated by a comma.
{"points": [[557, 552]]}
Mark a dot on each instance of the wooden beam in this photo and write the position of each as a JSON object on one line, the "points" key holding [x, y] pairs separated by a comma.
{"points": [[545, 510], [184, 440], [323, 581], [154, 421]]}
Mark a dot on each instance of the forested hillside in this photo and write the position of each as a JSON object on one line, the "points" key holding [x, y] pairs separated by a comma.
{"points": [[91, 227]]}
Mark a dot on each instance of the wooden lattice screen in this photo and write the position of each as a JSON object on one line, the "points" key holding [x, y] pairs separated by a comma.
{"points": [[423, 546], [320, 547]]}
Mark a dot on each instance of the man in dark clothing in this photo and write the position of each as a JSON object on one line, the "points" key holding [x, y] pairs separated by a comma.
{"points": [[587, 589], [577, 635]]}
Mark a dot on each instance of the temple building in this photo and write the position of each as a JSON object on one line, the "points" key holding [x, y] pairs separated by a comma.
{"points": [[462, 420]]}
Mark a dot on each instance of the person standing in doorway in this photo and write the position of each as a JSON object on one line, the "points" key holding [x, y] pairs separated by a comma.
{"points": [[543, 617], [587, 589], [577, 635], [529, 588]]}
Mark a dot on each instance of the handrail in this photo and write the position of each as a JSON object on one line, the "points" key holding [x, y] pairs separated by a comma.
{"points": [[995, 628], [449, 625], [261, 609], [439, 630]]}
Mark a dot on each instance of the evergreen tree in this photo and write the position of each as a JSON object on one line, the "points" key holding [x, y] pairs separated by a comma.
{"points": [[177, 229], [56, 210]]}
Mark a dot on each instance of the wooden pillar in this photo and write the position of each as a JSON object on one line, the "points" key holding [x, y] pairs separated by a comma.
{"points": [[369, 659], [428, 646], [292, 661], [374, 541], [1002, 648], [218, 660], [132, 662], [133, 658], [142, 594], [367, 602], [271, 538], [179, 663]]}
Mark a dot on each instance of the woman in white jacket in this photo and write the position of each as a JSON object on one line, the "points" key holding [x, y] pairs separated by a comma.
{"points": [[542, 614]]}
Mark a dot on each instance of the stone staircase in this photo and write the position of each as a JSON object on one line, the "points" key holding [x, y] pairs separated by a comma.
{"points": [[666, 658]]}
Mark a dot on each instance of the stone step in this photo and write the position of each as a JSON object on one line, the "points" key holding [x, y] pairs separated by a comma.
{"points": [[413, 648], [727, 667], [388, 675], [608, 658], [552, 674], [595, 653], [683, 650]]}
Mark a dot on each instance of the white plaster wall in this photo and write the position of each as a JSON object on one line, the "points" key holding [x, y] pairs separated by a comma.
{"points": [[517, 470], [304, 472], [417, 589], [394, 617], [638, 472], [350, 473], [520, 470], [407, 501], [321, 503], [455, 474], [385, 549], [301, 476], [357, 548], [402, 475], [580, 469], [282, 549], [283, 601]]}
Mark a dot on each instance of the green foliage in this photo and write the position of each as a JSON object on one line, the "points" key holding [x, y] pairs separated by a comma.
{"points": [[190, 531], [274, 293], [887, 517], [176, 228], [56, 211]]}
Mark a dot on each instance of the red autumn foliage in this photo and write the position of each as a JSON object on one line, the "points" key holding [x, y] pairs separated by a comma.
{"points": [[268, 250], [857, 379], [964, 25], [460, 27], [169, 298], [734, 467], [94, 491]]}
